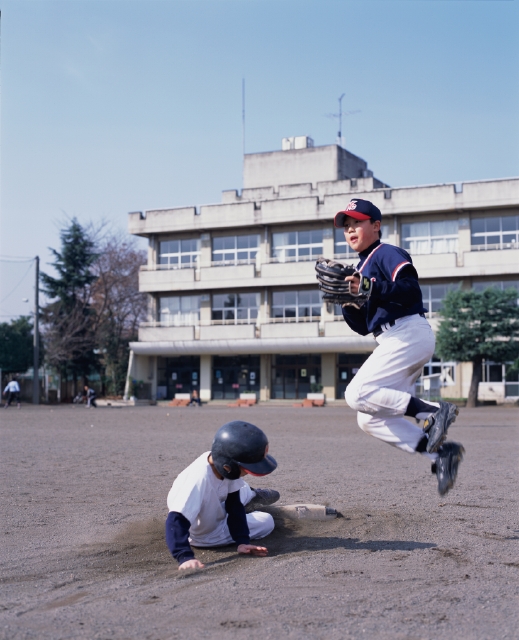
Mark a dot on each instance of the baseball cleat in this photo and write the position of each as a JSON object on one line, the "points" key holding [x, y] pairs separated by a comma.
{"points": [[263, 498], [446, 465], [436, 425]]}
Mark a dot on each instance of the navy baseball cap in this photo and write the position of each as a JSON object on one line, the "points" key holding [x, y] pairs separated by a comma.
{"points": [[359, 210]]}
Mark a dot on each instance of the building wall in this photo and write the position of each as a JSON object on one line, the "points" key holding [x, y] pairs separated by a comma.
{"points": [[302, 190]]}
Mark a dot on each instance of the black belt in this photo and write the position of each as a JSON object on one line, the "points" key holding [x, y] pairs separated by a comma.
{"points": [[378, 330]]}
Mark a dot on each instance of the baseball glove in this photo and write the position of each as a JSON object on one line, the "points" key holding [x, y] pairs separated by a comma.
{"points": [[336, 290]]}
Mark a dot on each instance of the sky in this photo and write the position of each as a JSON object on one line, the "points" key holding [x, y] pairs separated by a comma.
{"points": [[112, 106]]}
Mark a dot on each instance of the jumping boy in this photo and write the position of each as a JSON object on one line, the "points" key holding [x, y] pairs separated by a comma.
{"points": [[209, 503], [392, 309]]}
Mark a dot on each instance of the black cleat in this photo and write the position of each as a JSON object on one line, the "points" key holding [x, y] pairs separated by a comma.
{"points": [[436, 425], [450, 454], [263, 498]]}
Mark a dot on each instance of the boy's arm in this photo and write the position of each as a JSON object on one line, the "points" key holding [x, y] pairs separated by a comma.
{"points": [[238, 527], [405, 290], [177, 537], [236, 519], [356, 319]]}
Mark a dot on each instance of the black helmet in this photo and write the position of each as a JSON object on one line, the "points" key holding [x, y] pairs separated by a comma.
{"points": [[241, 444]]}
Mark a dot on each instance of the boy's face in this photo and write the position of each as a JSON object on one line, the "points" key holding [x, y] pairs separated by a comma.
{"points": [[360, 234]]}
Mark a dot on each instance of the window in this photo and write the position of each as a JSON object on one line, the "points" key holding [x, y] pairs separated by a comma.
{"points": [[235, 249], [503, 285], [430, 237], [498, 232], [296, 306], [433, 295], [502, 373], [342, 249], [296, 246], [235, 308], [179, 311], [179, 254]]}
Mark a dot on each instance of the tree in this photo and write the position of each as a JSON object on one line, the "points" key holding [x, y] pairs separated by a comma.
{"points": [[69, 320], [118, 304], [479, 326], [16, 345]]}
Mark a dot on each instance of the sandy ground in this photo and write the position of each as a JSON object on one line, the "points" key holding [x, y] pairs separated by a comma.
{"points": [[83, 509]]}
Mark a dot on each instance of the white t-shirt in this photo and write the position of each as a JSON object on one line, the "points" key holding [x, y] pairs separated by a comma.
{"points": [[12, 386], [200, 497]]}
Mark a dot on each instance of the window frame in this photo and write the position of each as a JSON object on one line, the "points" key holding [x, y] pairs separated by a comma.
{"points": [[193, 255], [297, 317], [501, 245], [236, 309], [235, 260], [315, 249], [407, 240]]}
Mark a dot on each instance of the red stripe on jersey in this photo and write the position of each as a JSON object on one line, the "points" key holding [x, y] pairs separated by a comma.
{"points": [[367, 259], [397, 269]]}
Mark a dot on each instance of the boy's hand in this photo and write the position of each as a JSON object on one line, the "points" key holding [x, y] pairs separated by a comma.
{"points": [[354, 286], [252, 550], [191, 564]]}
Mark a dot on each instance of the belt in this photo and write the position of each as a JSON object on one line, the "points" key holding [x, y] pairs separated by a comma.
{"points": [[387, 325]]}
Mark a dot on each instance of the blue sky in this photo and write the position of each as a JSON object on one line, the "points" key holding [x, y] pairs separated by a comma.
{"points": [[111, 106]]}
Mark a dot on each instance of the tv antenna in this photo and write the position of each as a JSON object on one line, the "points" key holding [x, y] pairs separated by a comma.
{"points": [[340, 139]]}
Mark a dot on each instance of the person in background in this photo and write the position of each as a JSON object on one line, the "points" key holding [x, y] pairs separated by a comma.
{"points": [[12, 392]]}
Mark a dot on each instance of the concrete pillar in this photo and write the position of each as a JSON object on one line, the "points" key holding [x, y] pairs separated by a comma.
{"points": [[464, 239], [206, 365], [328, 375], [205, 310], [265, 376], [205, 250], [328, 248]]}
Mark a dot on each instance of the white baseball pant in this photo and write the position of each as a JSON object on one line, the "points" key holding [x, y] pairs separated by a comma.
{"points": [[383, 386], [260, 525]]}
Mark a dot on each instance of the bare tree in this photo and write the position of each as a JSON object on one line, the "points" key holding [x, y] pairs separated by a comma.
{"points": [[118, 304]]}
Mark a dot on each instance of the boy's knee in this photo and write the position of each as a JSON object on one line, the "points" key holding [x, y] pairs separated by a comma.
{"points": [[352, 397], [260, 524], [365, 421]]}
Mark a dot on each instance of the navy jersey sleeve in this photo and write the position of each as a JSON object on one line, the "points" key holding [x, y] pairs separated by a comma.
{"points": [[236, 519], [356, 319], [177, 537], [404, 290]]}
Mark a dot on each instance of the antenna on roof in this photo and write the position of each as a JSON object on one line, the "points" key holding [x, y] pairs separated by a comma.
{"points": [[340, 139], [243, 127]]}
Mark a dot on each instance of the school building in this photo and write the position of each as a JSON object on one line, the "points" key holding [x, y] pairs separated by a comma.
{"points": [[233, 300]]}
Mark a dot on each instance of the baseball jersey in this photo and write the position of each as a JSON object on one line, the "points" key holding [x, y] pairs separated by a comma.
{"points": [[200, 497], [395, 290]]}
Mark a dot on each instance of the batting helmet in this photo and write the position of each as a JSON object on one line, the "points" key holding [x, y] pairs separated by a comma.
{"points": [[238, 445]]}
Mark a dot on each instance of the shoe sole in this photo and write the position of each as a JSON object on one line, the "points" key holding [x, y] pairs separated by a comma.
{"points": [[452, 480], [434, 445]]}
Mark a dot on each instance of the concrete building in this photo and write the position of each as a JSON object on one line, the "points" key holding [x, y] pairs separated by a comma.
{"points": [[234, 305]]}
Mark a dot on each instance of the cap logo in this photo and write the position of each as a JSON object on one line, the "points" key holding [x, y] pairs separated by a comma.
{"points": [[351, 205]]}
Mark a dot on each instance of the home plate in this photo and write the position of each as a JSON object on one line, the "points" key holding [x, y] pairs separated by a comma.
{"points": [[306, 511]]}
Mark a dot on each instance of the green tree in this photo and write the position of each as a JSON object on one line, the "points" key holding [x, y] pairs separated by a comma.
{"points": [[479, 326], [16, 345], [69, 320]]}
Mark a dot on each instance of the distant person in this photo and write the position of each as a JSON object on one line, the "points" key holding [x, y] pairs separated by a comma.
{"points": [[90, 397], [210, 505], [195, 399], [12, 392]]}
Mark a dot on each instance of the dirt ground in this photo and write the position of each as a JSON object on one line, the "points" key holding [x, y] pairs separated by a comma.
{"points": [[84, 503]]}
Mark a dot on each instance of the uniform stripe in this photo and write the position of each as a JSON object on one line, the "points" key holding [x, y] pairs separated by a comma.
{"points": [[367, 259], [397, 269]]}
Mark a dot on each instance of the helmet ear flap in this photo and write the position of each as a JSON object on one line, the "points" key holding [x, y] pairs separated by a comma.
{"points": [[234, 472]]}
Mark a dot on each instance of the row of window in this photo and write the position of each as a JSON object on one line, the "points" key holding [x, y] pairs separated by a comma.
{"points": [[286, 305], [499, 232]]}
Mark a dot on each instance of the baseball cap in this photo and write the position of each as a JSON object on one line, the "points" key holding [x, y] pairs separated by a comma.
{"points": [[359, 210]]}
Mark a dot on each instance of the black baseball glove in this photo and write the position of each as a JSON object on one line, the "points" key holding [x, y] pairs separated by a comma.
{"points": [[336, 290]]}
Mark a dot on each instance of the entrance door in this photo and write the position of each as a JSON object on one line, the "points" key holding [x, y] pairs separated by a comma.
{"points": [[294, 376], [178, 375], [234, 375]]}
